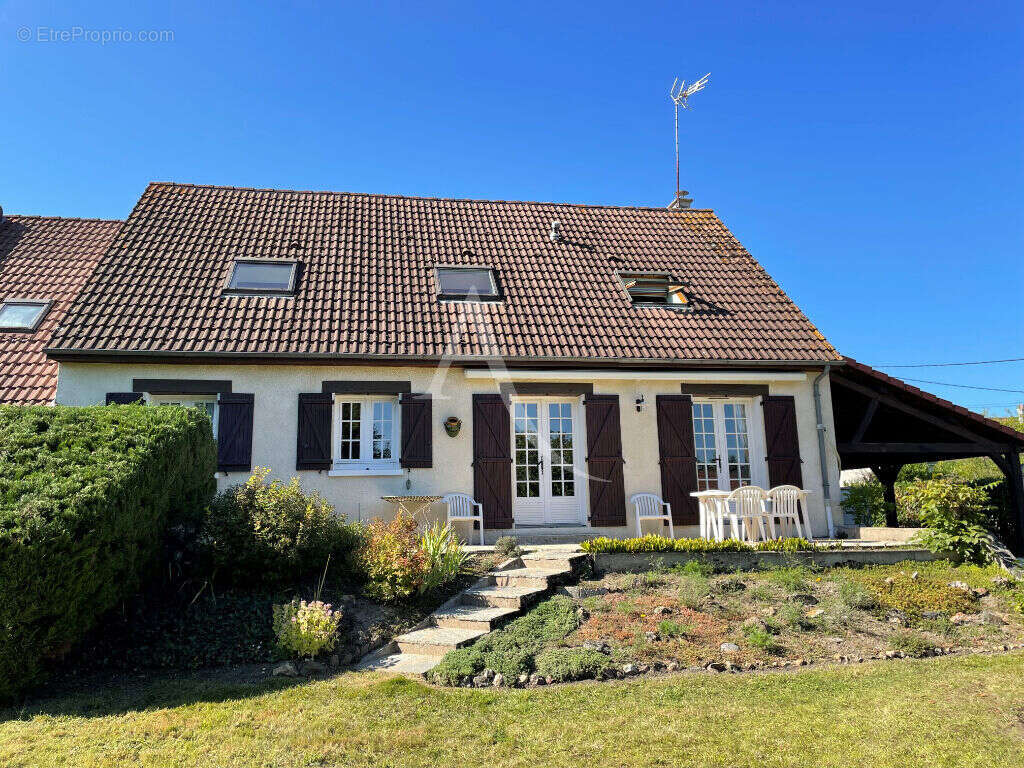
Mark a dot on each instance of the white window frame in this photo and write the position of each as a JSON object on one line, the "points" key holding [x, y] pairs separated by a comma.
{"points": [[42, 306], [365, 465], [189, 401], [755, 437]]}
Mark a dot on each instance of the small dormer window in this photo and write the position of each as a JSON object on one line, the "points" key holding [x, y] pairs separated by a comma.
{"points": [[467, 284], [262, 277], [22, 314], [652, 288]]}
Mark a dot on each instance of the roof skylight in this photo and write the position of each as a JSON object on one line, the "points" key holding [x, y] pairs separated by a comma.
{"points": [[22, 314], [258, 277], [467, 283]]}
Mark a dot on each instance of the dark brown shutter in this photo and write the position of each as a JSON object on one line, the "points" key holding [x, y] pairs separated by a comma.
{"points": [[313, 450], [492, 460], [417, 431], [604, 461], [234, 432], [678, 458], [124, 398], [782, 441]]}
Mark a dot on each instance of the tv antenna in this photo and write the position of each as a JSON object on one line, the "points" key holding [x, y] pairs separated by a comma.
{"points": [[681, 93]]}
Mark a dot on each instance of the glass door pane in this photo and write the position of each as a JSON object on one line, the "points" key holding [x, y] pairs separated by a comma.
{"points": [[526, 430], [563, 478], [705, 445], [737, 444]]}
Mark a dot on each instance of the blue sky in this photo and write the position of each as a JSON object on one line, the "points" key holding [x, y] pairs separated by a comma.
{"points": [[871, 155]]}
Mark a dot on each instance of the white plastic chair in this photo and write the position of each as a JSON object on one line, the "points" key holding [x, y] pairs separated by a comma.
{"points": [[787, 501], [746, 506], [462, 506], [651, 507]]}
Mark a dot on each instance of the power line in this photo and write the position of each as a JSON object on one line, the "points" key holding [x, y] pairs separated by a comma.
{"points": [[947, 365], [964, 386]]}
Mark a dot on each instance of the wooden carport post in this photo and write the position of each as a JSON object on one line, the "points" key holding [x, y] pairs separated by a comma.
{"points": [[887, 474], [1009, 463]]}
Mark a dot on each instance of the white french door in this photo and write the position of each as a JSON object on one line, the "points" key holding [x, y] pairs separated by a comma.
{"points": [[727, 440], [547, 477]]}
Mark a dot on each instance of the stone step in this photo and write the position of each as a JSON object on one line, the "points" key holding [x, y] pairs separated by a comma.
{"points": [[554, 558], [527, 577], [501, 597], [436, 641], [471, 616]]}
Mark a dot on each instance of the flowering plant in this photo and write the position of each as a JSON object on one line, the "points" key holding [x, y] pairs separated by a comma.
{"points": [[306, 628], [392, 559]]}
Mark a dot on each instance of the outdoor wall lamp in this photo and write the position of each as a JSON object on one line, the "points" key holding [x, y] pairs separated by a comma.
{"points": [[639, 403]]}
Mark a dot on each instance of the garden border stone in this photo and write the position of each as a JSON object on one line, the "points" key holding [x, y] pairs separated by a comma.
{"points": [[641, 562]]}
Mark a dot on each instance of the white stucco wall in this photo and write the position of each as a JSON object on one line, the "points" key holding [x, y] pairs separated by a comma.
{"points": [[276, 389]]}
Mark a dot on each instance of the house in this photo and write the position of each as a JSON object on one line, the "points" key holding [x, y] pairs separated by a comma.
{"points": [[549, 359], [44, 261]]}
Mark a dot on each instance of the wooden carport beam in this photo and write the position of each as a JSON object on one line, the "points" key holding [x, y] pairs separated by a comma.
{"points": [[887, 474], [865, 422], [887, 399], [971, 449]]}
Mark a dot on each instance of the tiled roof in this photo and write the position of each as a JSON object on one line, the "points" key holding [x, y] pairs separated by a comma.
{"points": [[366, 287], [43, 258], [929, 400]]}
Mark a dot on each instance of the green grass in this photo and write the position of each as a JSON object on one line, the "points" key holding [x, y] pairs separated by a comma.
{"points": [[952, 711]]}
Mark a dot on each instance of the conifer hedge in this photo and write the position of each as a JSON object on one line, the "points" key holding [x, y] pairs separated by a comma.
{"points": [[86, 495]]}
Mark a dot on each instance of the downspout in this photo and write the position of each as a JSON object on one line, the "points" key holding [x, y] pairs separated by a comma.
{"points": [[822, 459]]}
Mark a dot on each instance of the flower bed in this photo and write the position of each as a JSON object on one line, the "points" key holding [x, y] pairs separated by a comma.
{"points": [[652, 543]]}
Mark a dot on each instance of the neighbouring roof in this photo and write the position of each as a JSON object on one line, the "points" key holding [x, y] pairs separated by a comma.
{"points": [[366, 286], [44, 258]]}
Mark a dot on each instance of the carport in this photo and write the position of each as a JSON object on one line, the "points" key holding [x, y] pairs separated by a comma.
{"points": [[882, 423]]}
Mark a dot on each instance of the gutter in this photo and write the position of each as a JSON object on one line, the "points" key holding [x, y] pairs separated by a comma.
{"points": [[822, 459]]}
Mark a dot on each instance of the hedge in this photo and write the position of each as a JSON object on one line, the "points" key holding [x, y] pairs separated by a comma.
{"points": [[651, 543], [86, 495]]}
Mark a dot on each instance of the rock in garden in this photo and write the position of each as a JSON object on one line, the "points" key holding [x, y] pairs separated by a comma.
{"points": [[488, 674], [629, 669], [754, 621], [729, 648], [991, 617], [1001, 582], [915, 575], [286, 670], [499, 680], [890, 580], [313, 667], [523, 679], [481, 681], [536, 679], [963, 618], [815, 613], [805, 599], [651, 637], [960, 585], [770, 610], [979, 592], [672, 666], [662, 610], [931, 614], [715, 666]]}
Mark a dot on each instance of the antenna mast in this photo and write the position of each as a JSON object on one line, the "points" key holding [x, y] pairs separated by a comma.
{"points": [[680, 93]]}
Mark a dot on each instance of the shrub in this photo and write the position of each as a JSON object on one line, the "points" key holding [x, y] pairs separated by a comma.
{"points": [[855, 595], [564, 664], [272, 534], [306, 629], [446, 559], [955, 514], [792, 615], [697, 568], [669, 629], [911, 644], [511, 649], [865, 502], [507, 547], [391, 559], [652, 543], [86, 496], [694, 591], [760, 638], [791, 579]]}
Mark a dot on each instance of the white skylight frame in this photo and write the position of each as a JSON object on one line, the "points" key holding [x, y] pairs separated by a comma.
{"points": [[494, 294], [285, 289], [43, 308]]}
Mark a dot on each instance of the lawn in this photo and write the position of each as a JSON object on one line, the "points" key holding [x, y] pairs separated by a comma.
{"points": [[952, 711]]}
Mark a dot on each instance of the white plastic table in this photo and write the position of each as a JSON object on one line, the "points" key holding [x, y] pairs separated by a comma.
{"points": [[712, 508]]}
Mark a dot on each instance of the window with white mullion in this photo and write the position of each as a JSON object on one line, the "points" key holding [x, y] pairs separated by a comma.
{"points": [[207, 404], [365, 434], [723, 438], [737, 443], [705, 445]]}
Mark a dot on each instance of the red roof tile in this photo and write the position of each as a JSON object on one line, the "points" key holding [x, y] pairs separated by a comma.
{"points": [[43, 258], [366, 287]]}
